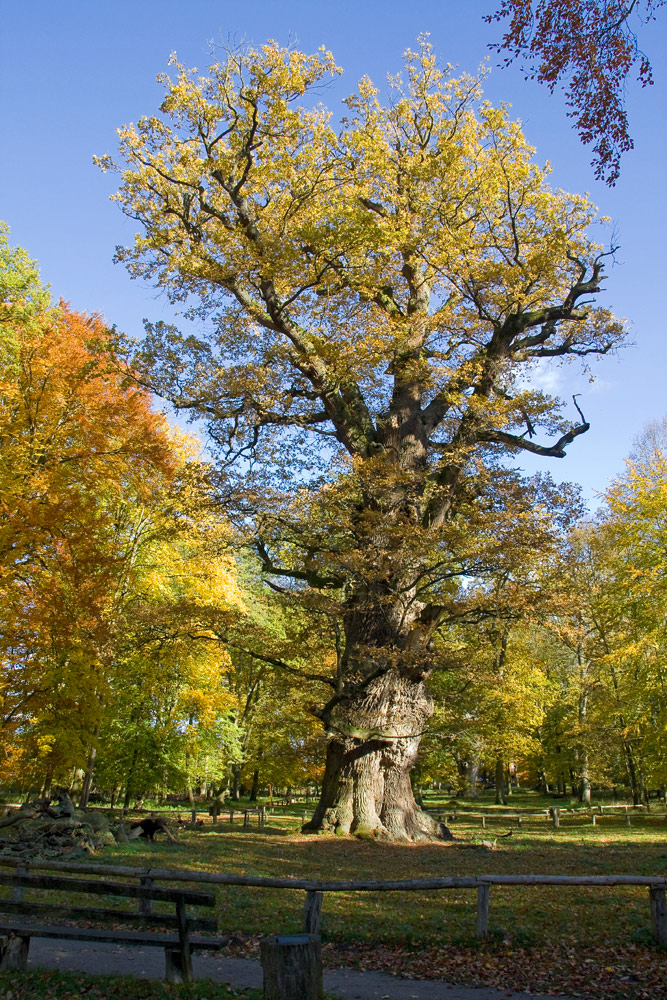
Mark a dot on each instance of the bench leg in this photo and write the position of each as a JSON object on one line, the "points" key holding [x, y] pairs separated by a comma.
{"points": [[15, 955], [173, 965], [184, 941]]}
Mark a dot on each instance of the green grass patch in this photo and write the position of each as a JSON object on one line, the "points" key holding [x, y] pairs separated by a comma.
{"points": [[535, 915], [77, 986]]}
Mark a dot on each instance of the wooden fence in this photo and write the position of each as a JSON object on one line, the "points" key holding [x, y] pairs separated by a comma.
{"points": [[315, 890], [552, 815]]}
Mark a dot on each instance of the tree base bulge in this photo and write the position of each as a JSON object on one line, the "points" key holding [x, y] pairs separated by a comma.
{"points": [[366, 789], [369, 816], [413, 828]]}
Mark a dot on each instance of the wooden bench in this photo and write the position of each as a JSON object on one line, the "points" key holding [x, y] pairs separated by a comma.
{"points": [[21, 919]]}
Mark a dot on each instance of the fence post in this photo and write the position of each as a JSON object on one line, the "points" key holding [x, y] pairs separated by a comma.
{"points": [[555, 816], [658, 914], [311, 912], [483, 891], [18, 891], [246, 820], [145, 905]]}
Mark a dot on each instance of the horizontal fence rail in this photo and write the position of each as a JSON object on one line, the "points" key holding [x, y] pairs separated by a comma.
{"points": [[315, 889]]}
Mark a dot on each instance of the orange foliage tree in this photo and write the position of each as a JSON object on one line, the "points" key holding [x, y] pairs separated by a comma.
{"points": [[76, 445]]}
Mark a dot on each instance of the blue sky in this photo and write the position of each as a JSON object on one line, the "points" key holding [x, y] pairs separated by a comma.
{"points": [[72, 72]]}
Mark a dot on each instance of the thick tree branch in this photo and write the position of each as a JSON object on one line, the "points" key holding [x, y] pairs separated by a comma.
{"points": [[308, 576], [276, 662], [556, 450]]}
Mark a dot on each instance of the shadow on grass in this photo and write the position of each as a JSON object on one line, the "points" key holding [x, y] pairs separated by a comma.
{"points": [[525, 915], [281, 851]]}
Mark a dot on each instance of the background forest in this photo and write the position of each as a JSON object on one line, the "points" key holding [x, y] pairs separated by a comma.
{"points": [[142, 655]]}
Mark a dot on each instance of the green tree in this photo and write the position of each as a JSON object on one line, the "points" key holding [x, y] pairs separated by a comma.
{"points": [[608, 671], [637, 529]]}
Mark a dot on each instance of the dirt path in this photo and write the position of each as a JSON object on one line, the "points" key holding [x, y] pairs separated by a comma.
{"points": [[148, 963]]}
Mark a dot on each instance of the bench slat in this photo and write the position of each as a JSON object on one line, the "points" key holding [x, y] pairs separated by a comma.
{"points": [[189, 896], [52, 910], [131, 938]]}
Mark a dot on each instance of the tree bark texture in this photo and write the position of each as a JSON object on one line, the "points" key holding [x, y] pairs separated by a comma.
{"points": [[501, 798], [468, 774], [372, 749], [236, 782], [14, 957]]}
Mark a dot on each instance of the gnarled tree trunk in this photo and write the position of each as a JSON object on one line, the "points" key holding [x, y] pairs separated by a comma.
{"points": [[374, 739]]}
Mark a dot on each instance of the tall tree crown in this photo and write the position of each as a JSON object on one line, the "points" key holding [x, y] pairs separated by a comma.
{"points": [[379, 283]]}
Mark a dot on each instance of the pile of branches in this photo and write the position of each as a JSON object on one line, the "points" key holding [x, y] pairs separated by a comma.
{"points": [[46, 828]]}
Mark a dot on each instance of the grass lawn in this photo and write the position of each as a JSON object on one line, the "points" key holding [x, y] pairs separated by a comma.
{"points": [[74, 986], [594, 942]]}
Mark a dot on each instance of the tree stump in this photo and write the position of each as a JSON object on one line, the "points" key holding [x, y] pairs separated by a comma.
{"points": [[292, 967]]}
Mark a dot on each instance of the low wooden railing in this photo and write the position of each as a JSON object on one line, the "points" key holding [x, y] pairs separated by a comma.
{"points": [[657, 886], [552, 815]]}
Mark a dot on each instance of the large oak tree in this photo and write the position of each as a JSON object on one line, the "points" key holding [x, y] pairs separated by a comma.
{"points": [[378, 295]]}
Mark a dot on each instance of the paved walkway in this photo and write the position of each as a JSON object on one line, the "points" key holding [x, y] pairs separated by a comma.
{"points": [[148, 963]]}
